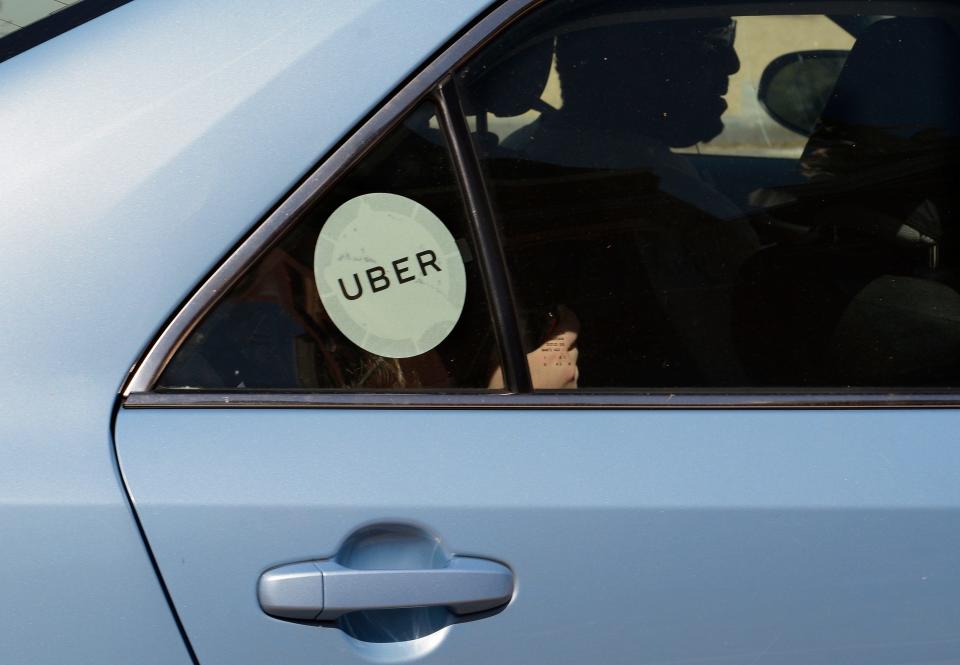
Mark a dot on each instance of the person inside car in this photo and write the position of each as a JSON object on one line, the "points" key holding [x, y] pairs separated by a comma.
{"points": [[633, 91]]}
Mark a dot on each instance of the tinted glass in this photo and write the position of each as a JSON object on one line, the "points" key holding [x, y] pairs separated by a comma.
{"points": [[688, 236], [274, 330]]}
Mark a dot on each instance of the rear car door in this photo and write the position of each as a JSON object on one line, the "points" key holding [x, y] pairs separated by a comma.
{"points": [[487, 389]]}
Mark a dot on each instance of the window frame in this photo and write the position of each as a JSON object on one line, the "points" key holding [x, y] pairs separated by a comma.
{"points": [[54, 25], [434, 82]]}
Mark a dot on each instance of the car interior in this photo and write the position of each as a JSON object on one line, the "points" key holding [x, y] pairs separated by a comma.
{"points": [[685, 270], [852, 280]]}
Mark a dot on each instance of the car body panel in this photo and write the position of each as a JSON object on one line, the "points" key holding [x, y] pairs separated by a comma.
{"points": [[809, 536], [135, 154], [138, 149]]}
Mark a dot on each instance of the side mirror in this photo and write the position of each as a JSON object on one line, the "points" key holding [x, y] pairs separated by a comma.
{"points": [[795, 87]]}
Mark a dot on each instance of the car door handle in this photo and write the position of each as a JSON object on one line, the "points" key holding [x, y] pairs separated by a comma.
{"points": [[325, 590]]}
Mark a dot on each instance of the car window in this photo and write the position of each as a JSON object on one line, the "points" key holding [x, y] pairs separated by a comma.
{"points": [[727, 201], [375, 288], [27, 23], [16, 14]]}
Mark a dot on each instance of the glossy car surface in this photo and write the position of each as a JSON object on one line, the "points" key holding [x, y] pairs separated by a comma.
{"points": [[119, 193], [141, 150]]}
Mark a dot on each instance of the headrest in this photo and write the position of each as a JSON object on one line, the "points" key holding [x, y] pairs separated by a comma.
{"points": [[510, 84], [899, 91]]}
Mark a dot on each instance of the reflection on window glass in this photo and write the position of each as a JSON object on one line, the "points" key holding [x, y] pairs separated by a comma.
{"points": [[375, 288], [650, 186]]}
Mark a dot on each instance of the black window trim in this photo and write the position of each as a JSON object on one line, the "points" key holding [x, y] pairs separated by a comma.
{"points": [[486, 238], [434, 82], [56, 24]]}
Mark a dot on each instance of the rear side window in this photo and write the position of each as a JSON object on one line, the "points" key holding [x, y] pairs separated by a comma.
{"points": [[375, 288], [728, 201], [700, 201]]}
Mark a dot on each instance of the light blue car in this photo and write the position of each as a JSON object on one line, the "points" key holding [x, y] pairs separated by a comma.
{"points": [[560, 331]]}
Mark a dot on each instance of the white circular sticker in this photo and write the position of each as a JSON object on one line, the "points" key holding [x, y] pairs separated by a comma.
{"points": [[389, 275]]}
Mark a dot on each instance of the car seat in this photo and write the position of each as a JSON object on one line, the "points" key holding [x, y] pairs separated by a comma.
{"points": [[507, 83], [887, 132], [861, 303]]}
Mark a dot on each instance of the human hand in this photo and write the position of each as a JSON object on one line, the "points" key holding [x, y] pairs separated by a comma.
{"points": [[553, 364]]}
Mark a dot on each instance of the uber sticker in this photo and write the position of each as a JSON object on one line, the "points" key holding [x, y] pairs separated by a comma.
{"points": [[389, 275]]}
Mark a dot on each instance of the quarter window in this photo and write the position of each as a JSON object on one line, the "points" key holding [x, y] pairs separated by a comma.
{"points": [[376, 288]]}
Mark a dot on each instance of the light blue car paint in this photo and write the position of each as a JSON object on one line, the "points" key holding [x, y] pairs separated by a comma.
{"points": [[137, 149], [787, 537]]}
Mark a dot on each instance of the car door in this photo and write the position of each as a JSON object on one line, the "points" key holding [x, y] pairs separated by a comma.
{"points": [[548, 397]]}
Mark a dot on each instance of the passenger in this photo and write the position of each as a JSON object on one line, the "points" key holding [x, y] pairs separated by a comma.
{"points": [[632, 91]]}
